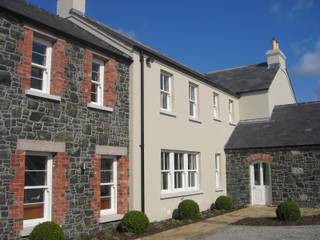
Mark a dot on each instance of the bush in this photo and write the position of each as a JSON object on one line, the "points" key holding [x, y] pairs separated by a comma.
{"points": [[47, 231], [188, 209], [224, 203], [288, 211], [134, 222]]}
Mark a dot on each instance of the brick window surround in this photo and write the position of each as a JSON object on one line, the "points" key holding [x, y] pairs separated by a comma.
{"points": [[122, 184], [110, 80], [58, 62], [59, 186]]}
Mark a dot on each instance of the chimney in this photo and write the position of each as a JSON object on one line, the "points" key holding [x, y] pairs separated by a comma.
{"points": [[275, 56], [64, 7]]}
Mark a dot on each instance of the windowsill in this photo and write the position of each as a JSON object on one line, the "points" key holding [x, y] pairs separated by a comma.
{"points": [[219, 190], [26, 231], [196, 120], [167, 113], [99, 107], [110, 218], [232, 124], [39, 94], [180, 194], [217, 119]]}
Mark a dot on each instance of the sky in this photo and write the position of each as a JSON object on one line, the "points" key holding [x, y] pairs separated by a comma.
{"points": [[209, 35]]}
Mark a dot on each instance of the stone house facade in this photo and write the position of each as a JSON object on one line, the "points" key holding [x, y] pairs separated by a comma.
{"points": [[64, 124], [277, 159]]}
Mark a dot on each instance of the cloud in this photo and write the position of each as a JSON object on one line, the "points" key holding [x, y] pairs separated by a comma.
{"points": [[300, 47], [309, 63], [289, 7]]}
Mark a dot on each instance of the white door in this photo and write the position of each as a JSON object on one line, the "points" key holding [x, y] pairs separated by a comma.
{"points": [[260, 183]]}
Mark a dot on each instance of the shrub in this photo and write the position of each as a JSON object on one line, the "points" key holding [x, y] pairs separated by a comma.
{"points": [[47, 231], [134, 222], [188, 209], [288, 211], [224, 203]]}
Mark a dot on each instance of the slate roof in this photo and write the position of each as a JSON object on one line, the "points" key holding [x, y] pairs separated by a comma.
{"points": [[58, 25], [245, 79], [290, 125]]}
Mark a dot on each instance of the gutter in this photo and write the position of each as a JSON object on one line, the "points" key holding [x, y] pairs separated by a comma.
{"points": [[142, 129]]}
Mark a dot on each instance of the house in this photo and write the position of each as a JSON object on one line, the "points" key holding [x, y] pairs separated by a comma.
{"points": [[180, 119], [64, 124]]}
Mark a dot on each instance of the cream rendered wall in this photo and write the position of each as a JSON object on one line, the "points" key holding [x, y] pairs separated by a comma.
{"points": [[254, 105], [280, 91], [179, 133]]}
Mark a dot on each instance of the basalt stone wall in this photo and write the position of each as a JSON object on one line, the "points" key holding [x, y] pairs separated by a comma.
{"points": [[295, 174], [69, 121]]}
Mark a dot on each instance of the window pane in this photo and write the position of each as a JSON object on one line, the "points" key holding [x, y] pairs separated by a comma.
{"points": [[191, 109], [105, 203], [37, 72], [164, 100], [39, 59], [106, 177], [192, 162], [94, 91], [178, 161], [106, 164], [36, 84], [191, 179], [191, 93], [164, 180], [256, 174], [35, 179], [106, 191], [178, 180], [164, 82], [33, 195], [36, 162], [95, 72], [95, 76], [266, 174], [39, 48], [165, 161]]}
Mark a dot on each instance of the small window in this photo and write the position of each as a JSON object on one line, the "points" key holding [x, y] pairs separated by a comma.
{"points": [[216, 107], [108, 186], [41, 65], [193, 101], [231, 111], [37, 189], [217, 165], [97, 82], [165, 91]]}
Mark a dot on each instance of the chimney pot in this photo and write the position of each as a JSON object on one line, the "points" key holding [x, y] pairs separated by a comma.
{"points": [[64, 7]]}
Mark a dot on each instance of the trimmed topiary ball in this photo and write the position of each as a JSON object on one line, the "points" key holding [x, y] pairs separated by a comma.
{"points": [[224, 203], [188, 209], [47, 231], [134, 222], [288, 211]]}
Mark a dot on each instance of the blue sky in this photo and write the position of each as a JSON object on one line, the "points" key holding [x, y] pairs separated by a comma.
{"points": [[209, 35]]}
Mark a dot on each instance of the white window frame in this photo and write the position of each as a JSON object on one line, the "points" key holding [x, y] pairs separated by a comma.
{"points": [[216, 106], [100, 88], [231, 111], [168, 93], [217, 170], [185, 179], [195, 171], [114, 188], [166, 171], [47, 195], [193, 102], [46, 69]]}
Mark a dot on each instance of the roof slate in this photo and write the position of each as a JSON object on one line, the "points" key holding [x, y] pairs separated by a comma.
{"points": [[290, 125], [43, 17], [245, 79]]}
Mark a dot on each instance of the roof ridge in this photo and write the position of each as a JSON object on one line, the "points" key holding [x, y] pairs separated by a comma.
{"points": [[233, 68], [298, 103]]}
